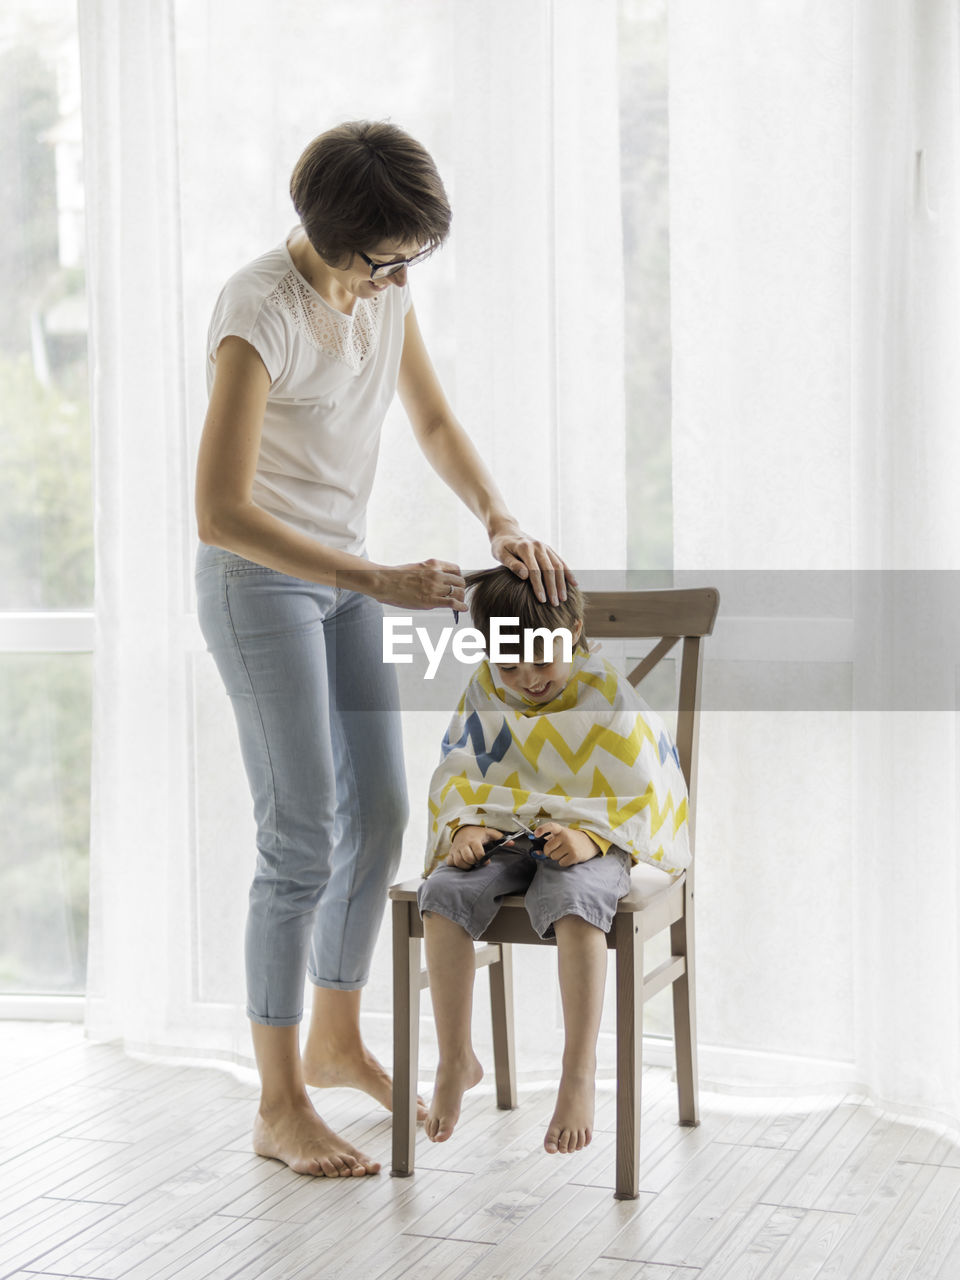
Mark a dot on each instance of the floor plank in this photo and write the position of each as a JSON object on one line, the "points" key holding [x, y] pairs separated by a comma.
{"points": [[25, 1234], [574, 1253], [873, 1247], [118, 1169], [776, 1241]]}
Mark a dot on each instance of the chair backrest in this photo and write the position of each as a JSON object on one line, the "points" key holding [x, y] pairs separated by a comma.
{"points": [[672, 616]]}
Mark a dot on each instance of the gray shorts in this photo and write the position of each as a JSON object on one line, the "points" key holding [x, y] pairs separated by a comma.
{"points": [[590, 890]]}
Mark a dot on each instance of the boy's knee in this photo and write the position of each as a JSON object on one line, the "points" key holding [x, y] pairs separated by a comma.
{"points": [[573, 922], [429, 900], [437, 897], [429, 915]]}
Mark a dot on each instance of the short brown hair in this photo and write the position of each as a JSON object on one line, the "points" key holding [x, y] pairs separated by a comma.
{"points": [[499, 593], [364, 182]]}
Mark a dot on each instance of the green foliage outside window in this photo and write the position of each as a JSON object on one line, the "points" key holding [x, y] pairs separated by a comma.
{"points": [[46, 527], [46, 520], [45, 817]]}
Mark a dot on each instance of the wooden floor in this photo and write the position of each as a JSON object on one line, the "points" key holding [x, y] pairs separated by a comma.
{"points": [[113, 1168]]}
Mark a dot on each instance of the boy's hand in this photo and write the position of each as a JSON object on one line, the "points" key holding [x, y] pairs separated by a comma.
{"points": [[566, 845], [468, 844]]}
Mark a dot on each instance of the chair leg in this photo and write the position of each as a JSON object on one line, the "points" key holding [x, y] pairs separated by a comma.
{"points": [[685, 1017], [406, 1039], [629, 951], [504, 1040]]}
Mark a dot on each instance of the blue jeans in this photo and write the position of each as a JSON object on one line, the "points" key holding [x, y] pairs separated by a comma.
{"points": [[319, 722]]}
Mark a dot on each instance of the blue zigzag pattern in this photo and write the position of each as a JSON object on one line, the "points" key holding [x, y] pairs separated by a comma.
{"points": [[666, 748], [474, 731]]}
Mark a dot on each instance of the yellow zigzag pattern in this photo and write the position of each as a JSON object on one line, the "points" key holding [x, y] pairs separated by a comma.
{"points": [[620, 814], [605, 685], [626, 749], [471, 795]]}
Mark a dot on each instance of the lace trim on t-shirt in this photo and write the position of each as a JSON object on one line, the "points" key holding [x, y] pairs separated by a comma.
{"points": [[349, 339]]}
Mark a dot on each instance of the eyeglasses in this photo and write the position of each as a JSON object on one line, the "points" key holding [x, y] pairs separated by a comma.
{"points": [[379, 270]]}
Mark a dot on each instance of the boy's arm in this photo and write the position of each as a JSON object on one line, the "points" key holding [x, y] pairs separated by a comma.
{"points": [[602, 843]]}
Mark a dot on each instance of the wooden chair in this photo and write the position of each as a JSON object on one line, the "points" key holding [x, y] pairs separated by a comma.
{"points": [[650, 907]]}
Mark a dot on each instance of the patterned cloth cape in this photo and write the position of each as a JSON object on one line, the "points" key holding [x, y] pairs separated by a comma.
{"points": [[594, 757]]}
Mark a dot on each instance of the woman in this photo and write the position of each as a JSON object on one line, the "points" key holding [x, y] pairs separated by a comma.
{"points": [[306, 348]]}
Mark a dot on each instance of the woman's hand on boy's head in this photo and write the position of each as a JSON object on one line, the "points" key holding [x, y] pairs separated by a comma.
{"points": [[468, 843], [566, 846], [534, 560]]}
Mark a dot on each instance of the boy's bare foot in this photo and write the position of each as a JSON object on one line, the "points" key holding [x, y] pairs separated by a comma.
{"points": [[571, 1126], [357, 1069], [452, 1082], [297, 1136]]}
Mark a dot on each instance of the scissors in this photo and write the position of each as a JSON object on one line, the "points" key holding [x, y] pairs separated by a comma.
{"points": [[534, 849]]}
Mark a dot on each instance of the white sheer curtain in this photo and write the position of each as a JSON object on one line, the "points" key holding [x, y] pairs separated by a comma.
{"points": [[906, 401], [814, 290], [814, 169], [141, 907], [195, 114]]}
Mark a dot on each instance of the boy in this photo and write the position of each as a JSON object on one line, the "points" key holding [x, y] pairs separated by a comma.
{"points": [[565, 750]]}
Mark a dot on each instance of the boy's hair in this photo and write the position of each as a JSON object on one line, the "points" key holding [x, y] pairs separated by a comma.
{"points": [[499, 593], [364, 182]]}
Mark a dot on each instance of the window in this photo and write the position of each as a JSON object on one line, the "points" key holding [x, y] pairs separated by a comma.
{"points": [[238, 156], [46, 525]]}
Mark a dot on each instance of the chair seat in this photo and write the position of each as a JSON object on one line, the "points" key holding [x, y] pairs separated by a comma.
{"points": [[648, 885]]}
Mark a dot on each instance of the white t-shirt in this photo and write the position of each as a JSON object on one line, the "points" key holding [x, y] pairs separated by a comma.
{"points": [[332, 378]]}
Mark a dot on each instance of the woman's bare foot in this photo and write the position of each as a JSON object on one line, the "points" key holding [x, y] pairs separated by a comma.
{"points": [[356, 1069], [297, 1136], [452, 1082], [571, 1126]]}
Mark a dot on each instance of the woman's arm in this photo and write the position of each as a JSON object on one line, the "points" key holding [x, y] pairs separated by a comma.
{"points": [[451, 453], [228, 517]]}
